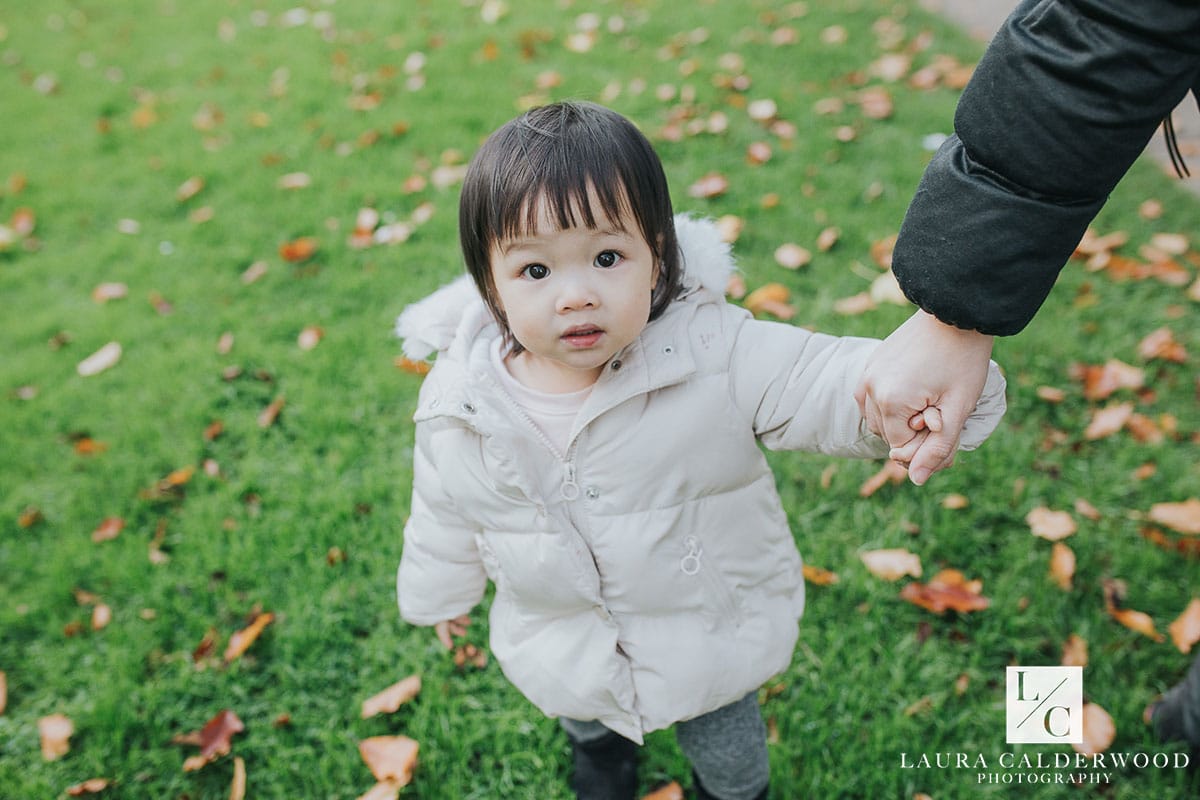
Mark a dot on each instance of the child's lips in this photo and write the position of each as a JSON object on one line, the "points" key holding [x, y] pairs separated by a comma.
{"points": [[582, 336]]}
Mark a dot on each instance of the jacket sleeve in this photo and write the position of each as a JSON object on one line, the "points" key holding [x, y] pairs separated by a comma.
{"points": [[441, 575], [798, 389], [1061, 104]]}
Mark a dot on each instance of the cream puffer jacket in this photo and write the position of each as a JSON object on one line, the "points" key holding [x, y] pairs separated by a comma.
{"points": [[648, 574]]}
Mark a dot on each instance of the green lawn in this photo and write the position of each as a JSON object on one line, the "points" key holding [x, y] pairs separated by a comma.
{"points": [[109, 108]]}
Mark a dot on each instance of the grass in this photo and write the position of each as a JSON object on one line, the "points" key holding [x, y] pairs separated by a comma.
{"points": [[110, 109]]}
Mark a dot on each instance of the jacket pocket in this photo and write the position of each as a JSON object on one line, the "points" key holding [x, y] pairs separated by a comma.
{"points": [[720, 606]]}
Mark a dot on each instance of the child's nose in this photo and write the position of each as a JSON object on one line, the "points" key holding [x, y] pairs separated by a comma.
{"points": [[576, 293]]}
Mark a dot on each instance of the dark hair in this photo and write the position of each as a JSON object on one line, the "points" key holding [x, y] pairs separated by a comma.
{"points": [[555, 153]]}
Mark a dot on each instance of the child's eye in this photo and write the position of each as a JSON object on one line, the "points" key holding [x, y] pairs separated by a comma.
{"points": [[608, 259], [536, 271]]}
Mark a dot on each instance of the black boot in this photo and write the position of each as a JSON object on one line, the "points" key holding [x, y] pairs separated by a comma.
{"points": [[702, 793], [1176, 717], [605, 768]]}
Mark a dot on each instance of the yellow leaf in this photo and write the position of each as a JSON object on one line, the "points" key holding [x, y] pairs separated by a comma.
{"points": [[240, 641], [819, 576], [1185, 630]]}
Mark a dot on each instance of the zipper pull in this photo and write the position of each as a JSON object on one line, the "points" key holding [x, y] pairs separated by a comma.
{"points": [[569, 488], [690, 563]]}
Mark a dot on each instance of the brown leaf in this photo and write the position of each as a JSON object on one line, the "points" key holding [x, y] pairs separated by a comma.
{"points": [[90, 786], [3, 691], [298, 250], [310, 337], [855, 304], [1099, 382], [1075, 652], [207, 644], [827, 238], [108, 529], [1185, 630], [770, 298], [1174, 243], [1182, 517], [672, 791], [268, 415], [101, 616], [55, 731], [891, 564], [819, 576], [29, 517], [792, 256], [948, 590], [1086, 509], [1137, 621], [1162, 344], [1051, 394], [876, 103], [214, 739], [1062, 565], [891, 472], [390, 758], [412, 367], [237, 788], [1107, 421], [109, 291], [713, 184], [393, 697], [241, 640], [1098, 730], [881, 251], [189, 188], [1049, 524], [954, 502], [104, 358]]}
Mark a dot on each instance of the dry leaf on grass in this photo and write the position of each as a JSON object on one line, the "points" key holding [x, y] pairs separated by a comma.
{"points": [[672, 791], [390, 758], [1098, 730], [713, 184], [1051, 525], [819, 576], [1075, 652], [90, 786], [949, 590], [770, 298], [1138, 621], [1185, 630], [792, 256], [1181, 517], [892, 564], [214, 739], [1100, 382], [241, 640], [55, 731], [891, 472], [104, 358], [393, 697], [1107, 421], [298, 250], [237, 787], [267, 417], [1062, 565], [108, 529], [3, 691]]}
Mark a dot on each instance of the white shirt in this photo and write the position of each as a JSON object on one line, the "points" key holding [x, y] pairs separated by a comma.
{"points": [[553, 414]]}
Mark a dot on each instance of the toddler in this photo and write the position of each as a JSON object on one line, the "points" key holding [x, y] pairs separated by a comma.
{"points": [[588, 439]]}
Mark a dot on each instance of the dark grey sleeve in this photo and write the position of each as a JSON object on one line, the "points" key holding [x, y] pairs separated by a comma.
{"points": [[1062, 103]]}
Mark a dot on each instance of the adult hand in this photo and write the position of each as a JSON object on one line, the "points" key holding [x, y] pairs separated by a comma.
{"points": [[919, 387], [450, 628]]}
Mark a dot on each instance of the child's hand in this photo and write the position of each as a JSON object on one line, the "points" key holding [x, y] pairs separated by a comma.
{"points": [[924, 422], [450, 628]]}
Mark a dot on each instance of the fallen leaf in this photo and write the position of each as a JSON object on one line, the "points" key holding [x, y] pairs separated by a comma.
{"points": [[892, 564], [770, 298], [1075, 652], [961, 684], [109, 291], [390, 758], [55, 731], [267, 417], [189, 188], [237, 788], [90, 786], [3, 691], [1086, 509], [948, 590], [1138, 621], [855, 304], [101, 616], [309, 337], [1062, 566], [1092, 243], [1162, 344], [241, 640], [1150, 209], [255, 271], [207, 644], [1182, 517], [1051, 394], [1174, 243], [925, 704], [413, 367], [214, 739], [393, 697], [1099, 382], [672, 791], [827, 238], [1185, 630], [108, 529], [881, 251], [1049, 524], [298, 250], [713, 184], [886, 289], [104, 358], [1098, 730], [818, 576], [1107, 421], [758, 153], [891, 472], [792, 256]]}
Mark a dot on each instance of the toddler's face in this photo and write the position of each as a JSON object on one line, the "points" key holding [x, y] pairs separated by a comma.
{"points": [[573, 297]]}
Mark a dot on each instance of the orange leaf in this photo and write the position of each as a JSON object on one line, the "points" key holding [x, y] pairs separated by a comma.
{"points": [[214, 739], [391, 758], [770, 298], [298, 250], [1185, 630], [189, 188], [268, 415], [1107, 421], [241, 640], [1051, 525], [1098, 730], [792, 256], [891, 472], [3, 691], [101, 616], [55, 731], [713, 184], [818, 576], [237, 788], [893, 564], [1138, 621], [310, 337], [1086, 509], [672, 791], [948, 590], [1062, 565], [109, 291], [392, 697], [1162, 344], [412, 367], [881, 251], [1182, 517], [855, 304], [29, 517], [108, 529], [1099, 382], [1075, 652], [90, 786]]}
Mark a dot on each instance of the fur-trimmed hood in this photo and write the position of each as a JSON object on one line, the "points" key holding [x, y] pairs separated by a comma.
{"points": [[429, 325]]}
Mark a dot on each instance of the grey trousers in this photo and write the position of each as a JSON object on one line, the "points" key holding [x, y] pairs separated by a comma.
{"points": [[727, 747]]}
